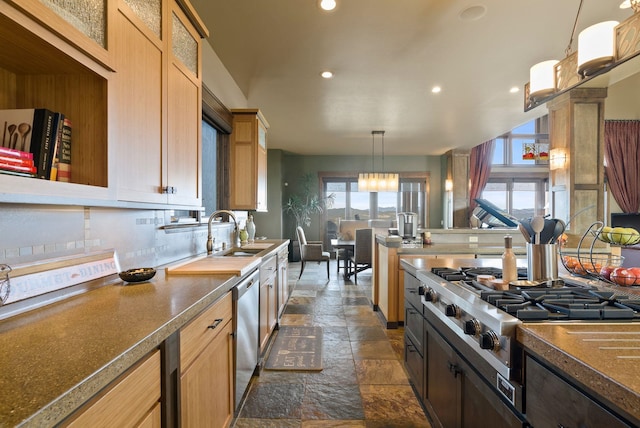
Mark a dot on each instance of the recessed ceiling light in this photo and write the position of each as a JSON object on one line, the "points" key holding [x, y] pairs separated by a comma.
{"points": [[436, 89], [326, 74], [626, 4], [514, 90], [328, 4], [472, 13]]}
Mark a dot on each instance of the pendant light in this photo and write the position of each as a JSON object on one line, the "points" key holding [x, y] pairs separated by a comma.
{"points": [[542, 79], [377, 181], [596, 47]]}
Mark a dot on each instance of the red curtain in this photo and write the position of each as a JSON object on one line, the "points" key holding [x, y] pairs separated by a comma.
{"points": [[479, 170], [622, 162]]}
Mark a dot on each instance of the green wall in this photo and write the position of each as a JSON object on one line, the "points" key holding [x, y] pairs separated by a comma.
{"points": [[285, 169]]}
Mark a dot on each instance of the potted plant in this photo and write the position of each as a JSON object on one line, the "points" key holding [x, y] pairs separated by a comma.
{"points": [[302, 206]]}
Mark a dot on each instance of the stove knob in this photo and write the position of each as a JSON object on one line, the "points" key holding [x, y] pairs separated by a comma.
{"points": [[421, 290], [452, 311], [430, 295], [472, 327], [490, 340]]}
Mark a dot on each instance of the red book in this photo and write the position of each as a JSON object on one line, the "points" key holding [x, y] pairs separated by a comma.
{"points": [[18, 168], [5, 151], [16, 161]]}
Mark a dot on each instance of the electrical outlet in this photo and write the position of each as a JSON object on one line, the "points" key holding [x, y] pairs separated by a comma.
{"points": [[473, 239]]}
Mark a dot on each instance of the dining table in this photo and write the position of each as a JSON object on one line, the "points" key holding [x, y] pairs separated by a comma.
{"points": [[346, 248]]}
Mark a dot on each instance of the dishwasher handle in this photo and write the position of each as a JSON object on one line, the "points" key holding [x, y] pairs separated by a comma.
{"points": [[246, 284]]}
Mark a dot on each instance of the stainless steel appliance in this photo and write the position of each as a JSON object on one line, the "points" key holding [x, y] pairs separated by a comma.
{"points": [[246, 304], [408, 225], [469, 332]]}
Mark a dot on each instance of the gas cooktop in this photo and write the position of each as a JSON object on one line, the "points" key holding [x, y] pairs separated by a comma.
{"points": [[465, 273]]}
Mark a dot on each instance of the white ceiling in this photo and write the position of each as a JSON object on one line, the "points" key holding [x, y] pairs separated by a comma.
{"points": [[386, 55]]}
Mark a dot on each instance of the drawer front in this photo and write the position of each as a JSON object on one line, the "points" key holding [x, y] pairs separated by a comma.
{"points": [[414, 362], [127, 401], [203, 329], [268, 269], [414, 327]]}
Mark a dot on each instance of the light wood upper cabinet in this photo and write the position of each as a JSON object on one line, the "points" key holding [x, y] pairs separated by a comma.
{"points": [[39, 69], [138, 59], [159, 158], [248, 184], [132, 400], [132, 90], [184, 107]]}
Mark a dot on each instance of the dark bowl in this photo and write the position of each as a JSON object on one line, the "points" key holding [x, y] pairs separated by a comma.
{"points": [[137, 275]]}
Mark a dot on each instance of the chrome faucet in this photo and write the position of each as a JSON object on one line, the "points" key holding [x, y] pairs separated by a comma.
{"points": [[236, 231]]}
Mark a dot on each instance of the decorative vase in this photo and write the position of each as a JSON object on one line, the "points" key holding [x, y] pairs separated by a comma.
{"points": [[243, 236], [251, 229]]}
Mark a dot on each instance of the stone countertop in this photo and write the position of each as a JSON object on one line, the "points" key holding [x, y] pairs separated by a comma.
{"points": [[601, 357], [444, 248], [57, 357]]}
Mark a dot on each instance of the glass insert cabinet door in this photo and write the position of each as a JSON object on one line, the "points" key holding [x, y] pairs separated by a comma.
{"points": [[88, 16]]}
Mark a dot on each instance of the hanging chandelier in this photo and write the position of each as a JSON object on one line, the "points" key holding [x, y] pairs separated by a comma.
{"points": [[601, 47], [377, 181]]}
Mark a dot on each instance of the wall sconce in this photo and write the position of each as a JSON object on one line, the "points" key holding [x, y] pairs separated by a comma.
{"points": [[557, 159], [448, 185]]}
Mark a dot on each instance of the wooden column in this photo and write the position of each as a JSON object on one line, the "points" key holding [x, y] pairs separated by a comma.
{"points": [[458, 173], [576, 126]]}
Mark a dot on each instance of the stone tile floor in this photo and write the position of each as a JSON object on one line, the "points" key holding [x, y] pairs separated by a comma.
{"points": [[363, 382]]}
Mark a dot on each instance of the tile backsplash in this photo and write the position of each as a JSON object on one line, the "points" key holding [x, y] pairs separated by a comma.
{"points": [[32, 233]]}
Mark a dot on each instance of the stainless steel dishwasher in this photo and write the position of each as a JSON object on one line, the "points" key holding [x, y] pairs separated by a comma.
{"points": [[246, 303]]}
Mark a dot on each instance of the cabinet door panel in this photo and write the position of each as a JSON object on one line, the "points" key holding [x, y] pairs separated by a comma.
{"points": [[443, 380], [127, 402], [206, 395], [138, 112], [553, 402], [183, 158]]}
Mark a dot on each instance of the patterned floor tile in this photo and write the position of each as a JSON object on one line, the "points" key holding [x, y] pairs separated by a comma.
{"points": [[372, 350], [332, 401], [363, 382], [393, 403], [381, 372]]}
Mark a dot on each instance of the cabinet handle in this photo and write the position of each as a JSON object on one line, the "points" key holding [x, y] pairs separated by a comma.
{"points": [[215, 323], [169, 190], [453, 368]]}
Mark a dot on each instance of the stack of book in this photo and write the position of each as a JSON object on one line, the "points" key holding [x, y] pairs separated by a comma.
{"points": [[36, 143]]}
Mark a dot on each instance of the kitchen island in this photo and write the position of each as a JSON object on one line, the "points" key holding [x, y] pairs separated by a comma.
{"points": [[388, 273], [565, 372], [58, 357]]}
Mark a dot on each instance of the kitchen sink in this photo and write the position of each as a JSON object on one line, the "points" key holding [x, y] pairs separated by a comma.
{"points": [[240, 252]]}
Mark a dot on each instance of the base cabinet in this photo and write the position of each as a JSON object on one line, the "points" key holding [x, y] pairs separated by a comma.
{"points": [[283, 281], [206, 360], [456, 395], [132, 400], [552, 402], [268, 301]]}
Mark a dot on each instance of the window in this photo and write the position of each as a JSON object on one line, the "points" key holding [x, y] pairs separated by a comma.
{"points": [[209, 168], [517, 185], [349, 204]]}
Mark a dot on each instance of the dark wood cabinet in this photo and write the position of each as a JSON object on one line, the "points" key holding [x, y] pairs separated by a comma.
{"points": [[457, 395], [553, 402]]}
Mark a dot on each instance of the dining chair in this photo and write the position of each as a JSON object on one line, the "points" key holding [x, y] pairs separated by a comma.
{"points": [[361, 258], [311, 251]]}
